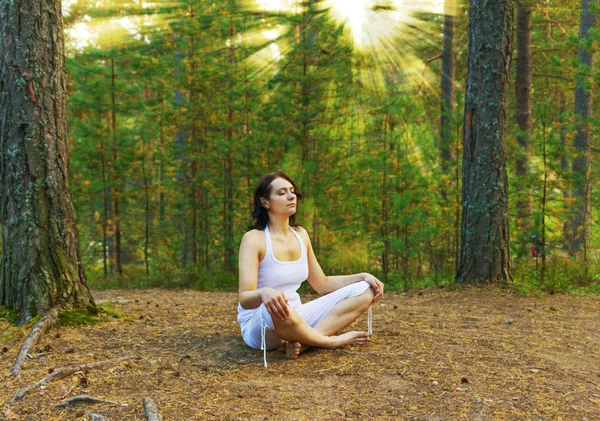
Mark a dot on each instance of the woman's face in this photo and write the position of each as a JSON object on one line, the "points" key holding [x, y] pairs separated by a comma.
{"points": [[282, 198]]}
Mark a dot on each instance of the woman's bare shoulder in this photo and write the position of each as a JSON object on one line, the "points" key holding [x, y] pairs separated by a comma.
{"points": [[254, 236], [303, 233]]}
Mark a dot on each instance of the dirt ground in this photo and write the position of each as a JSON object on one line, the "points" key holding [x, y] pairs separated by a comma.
{"points": [[479, 354]]}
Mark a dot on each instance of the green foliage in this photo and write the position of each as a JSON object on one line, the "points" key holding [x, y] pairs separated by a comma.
{"points": [[563, 275], [203, 107], [166, 276], [397, 282]]}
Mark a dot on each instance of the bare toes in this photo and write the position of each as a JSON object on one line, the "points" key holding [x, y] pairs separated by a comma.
{"points": [[292, 349]]}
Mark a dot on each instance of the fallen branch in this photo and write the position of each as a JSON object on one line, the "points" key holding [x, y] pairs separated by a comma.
{"points": [[96, 417], [61, 373], [40, 327], [86, 399], [151, 411]]}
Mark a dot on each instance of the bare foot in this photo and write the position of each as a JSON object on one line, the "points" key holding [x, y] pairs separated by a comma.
{"points": [[292, 349], [355, 338]]}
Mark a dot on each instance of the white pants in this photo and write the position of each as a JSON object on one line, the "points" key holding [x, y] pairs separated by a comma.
{"points": [[312, 313]]}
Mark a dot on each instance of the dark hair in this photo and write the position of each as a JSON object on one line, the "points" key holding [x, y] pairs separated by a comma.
{"points": [[263, 189]]}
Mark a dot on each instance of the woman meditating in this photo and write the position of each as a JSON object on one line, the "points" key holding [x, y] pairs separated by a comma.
{"points": [[275, 257]]}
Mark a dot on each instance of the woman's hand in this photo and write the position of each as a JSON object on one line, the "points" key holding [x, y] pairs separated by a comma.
{"points": [[376, 284], [275, 303]]}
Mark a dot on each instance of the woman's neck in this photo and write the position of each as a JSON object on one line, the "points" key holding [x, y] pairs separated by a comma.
{"points": [[279, 226]]}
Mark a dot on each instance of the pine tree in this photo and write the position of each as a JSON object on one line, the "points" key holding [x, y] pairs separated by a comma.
{"points": [[41, 264], [485, 253]]}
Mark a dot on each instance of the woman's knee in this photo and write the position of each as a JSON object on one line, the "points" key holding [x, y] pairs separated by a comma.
{"points": [[366, 298], [292, 320]]}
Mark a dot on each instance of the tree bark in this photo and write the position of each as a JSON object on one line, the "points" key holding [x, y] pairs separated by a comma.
{"points": [[41, 265], [485, 254], [582, 142], [523, 108]]}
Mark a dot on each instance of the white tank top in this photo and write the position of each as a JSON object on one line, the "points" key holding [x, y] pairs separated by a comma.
{"points": [[282, 276]]}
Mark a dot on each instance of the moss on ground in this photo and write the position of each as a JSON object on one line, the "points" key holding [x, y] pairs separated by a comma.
{"points": [[8, 314], [109, 309], [77, 317]]}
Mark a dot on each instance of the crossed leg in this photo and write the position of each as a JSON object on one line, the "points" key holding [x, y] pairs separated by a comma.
{"points": [[299, 335]]}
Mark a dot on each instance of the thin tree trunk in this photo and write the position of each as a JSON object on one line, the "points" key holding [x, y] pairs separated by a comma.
{"points": [[193, 146], [544, 200], [228, 164], [147, 210], [385, 257], [204, 206], [161, 173], [41, 262], [485, 253], [457, 208], [523, 94], [105, 204], [116, 178], [565, 168], [582, 141], [157, 221], [447, 103]]}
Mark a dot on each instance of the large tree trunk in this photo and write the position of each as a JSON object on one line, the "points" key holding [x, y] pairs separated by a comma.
{"points": [[485, 254], [41, 265], [523, 94], [583, 111]]}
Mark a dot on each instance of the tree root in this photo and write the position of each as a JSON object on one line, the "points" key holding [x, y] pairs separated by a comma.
{"points": [[151, 411], [40, 327], [86, 399], [61, 373]]}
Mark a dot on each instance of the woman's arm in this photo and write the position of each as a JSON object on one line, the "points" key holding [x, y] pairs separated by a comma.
{"points": [[325, 284], [275, 301]]}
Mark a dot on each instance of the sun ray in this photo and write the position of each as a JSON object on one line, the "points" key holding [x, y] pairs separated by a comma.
{"points": [[386, 31]]}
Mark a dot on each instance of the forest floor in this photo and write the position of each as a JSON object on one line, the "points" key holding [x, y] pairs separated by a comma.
{"points": [[475, 354]]}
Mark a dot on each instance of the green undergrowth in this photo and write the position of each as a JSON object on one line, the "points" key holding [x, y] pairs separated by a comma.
{"points": [[192, 277], [562, 275]]}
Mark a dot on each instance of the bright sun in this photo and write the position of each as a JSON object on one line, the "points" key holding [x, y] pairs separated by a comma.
{"points": [[367, 21], [353, 14]]}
